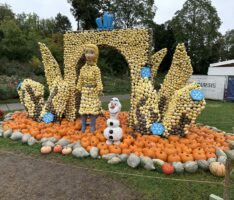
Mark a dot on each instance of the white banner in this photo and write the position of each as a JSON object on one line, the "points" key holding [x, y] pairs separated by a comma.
{"points": [[212, 86]]}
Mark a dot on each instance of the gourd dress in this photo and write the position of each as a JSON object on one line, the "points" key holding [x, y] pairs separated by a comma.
{"points": [[90, 86]]}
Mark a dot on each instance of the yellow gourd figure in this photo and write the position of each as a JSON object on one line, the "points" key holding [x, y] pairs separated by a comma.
{"points": [[90, 86]]}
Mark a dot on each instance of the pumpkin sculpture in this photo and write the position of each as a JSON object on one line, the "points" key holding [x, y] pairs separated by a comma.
{"points": [[217, 169]]}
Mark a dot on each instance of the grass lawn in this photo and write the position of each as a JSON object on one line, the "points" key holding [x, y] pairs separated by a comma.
{"points": [[9, 101], [148, 183]]}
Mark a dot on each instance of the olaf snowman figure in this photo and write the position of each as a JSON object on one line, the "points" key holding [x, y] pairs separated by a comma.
{"points": [[113, 133]]}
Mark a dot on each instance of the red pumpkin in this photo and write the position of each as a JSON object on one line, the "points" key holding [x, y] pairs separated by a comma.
{"points": [[167, 169], [58, 148]]}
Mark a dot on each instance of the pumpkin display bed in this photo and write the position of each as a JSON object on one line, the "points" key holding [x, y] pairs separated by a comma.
{"points": [[201, 143]]}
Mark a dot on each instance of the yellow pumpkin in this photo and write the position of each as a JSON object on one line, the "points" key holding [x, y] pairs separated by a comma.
{"points": [[217, 169]]}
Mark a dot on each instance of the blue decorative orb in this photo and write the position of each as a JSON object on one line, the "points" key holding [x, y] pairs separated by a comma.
{"points": [[145, 72], [157, 128], [48, 118], [19, 85], [197, 95]]}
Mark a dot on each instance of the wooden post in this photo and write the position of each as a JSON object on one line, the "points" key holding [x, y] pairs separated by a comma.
{"points": [[226, 192]]}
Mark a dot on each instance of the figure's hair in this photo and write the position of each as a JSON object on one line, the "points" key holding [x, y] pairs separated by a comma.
{"points": [[95, 48]]}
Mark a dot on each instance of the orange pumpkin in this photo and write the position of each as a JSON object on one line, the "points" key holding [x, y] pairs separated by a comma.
{"points": [[94, 141], [199, 156], [85, 142], [186, 157], [173, 158], [173, 138], [210, 149], [148, 152], [162, 155], [126, 151], [123, 145], [198, 150], [171, 150], [104, 151], [102, 145], [116, 149], [210, 155]]}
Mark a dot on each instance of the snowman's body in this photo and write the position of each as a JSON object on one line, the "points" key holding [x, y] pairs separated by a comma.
{"points": [[113, 133]]}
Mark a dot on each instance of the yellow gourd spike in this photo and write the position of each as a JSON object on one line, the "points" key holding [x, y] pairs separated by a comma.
{"points": [[52, 70], [156, 60], [182, 111], [176, 78]]}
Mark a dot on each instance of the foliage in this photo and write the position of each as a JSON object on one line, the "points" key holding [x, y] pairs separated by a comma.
{"points": [[131, 13], [62, 23], [6, 12], [85, 12], [164, 38], [113, 67], [229, 44], [127, 14], [197, 24], [13, 44], [19, 37]]}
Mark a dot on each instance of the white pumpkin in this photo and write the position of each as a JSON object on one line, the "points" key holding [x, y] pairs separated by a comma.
{"points": [[66, 150], [46, 149]]}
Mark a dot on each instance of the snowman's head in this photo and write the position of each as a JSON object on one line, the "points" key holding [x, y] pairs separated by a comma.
{"points": [[114, 105]]}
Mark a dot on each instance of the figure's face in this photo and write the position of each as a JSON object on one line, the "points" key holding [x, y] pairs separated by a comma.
{"points": [[90, 55]]}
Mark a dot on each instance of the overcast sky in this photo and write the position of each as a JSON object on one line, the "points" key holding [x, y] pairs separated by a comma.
{"points": [[166, 9]]}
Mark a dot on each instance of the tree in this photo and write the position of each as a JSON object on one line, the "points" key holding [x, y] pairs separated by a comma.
{"points": [[28, 22], [85, 12], [229, 44], [14, 44], [131, 13], [127, 13], [197, 24], [62, 23], [6, 12], [164, 38]]}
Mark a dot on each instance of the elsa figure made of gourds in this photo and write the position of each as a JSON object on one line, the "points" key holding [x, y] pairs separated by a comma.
{"points": [[90, 86]]}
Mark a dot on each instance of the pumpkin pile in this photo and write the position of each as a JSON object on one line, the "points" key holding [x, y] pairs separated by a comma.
{"points": [[199, 144]]}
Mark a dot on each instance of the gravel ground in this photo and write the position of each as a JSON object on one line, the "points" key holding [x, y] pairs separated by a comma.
{"points": [[22, 177]]}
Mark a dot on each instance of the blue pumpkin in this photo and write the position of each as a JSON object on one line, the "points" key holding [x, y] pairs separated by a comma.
{"points": [[48, 117], [145, 72], [197, 95], [157, 128]]}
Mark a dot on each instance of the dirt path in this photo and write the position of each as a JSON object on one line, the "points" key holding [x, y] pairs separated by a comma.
{"points": [[32, 179]]}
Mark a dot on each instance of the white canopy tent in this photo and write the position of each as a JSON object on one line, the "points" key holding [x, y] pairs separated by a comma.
{"points": [[225, 68]]}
